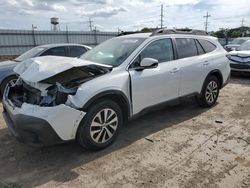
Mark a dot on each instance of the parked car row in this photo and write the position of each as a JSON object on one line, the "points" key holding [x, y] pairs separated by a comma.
{"points": [[58, 99], [68, 50]]}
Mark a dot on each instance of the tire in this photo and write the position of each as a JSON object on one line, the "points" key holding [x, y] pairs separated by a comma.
{"points": [[5, 82], [210, 92], [93, 133]]}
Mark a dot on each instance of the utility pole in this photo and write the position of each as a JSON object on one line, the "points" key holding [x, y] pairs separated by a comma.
{"points": [[242, 22], [206, 22], [161, 16], [90, 24], [242, 25]]}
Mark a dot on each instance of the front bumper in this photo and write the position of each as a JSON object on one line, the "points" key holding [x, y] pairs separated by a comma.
{"points": [[240, 67], [41, 126], [30, 130]]}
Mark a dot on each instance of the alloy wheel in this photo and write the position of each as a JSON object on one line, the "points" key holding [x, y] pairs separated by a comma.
{"points": [[211, 92], [104, 125]]}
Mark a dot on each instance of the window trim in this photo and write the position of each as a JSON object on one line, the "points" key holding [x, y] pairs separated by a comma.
{"points": [[146, 45], [196, 43]]}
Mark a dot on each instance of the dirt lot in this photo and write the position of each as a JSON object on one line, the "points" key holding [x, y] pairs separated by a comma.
{"points": [[180, 146]]}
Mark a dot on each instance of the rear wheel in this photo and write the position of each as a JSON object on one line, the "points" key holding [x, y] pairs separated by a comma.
{"points": [[101, 125], [210, 92]]}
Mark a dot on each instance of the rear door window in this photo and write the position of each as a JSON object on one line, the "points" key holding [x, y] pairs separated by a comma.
{"points": [[76, 51], [57, 51], [207, 46], [186, 47]]}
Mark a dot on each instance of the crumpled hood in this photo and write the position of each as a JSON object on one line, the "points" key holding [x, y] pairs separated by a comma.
{"points": [[240, 56], [240, 53], [41, 68], [7, 64]]}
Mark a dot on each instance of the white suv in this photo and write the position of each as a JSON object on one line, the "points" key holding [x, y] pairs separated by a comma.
{"points": [[58, 99]]}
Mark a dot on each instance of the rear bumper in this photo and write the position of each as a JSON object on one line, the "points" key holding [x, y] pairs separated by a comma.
{"points": [[41, 126]]}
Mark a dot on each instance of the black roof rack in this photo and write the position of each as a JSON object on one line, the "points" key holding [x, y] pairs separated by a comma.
{"points": [[127, 33], [179, 31]]}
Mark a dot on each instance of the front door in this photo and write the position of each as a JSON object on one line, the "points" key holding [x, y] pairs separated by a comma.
{"points": [[155, 85]]}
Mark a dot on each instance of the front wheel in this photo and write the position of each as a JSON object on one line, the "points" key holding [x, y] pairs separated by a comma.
{"points": [[101, 125], [210, 92], [10, 80]]}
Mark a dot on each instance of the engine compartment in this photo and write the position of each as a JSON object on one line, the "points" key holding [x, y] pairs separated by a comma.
{"points": [[58, 86], [23, 93]]}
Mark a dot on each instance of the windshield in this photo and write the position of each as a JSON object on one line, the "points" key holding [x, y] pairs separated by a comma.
{"points": [[238, 41], [29, 54], [113, 52], [245, 46]]}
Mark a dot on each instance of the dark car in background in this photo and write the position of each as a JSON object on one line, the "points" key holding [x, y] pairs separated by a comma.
{"points": [[68, 50]]}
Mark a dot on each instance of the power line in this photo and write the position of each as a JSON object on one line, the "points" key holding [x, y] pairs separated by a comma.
{"points": [[161, 15], [206, 22]]}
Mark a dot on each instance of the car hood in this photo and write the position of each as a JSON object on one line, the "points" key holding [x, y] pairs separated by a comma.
{"points": [[8, 64], [240, 53], [53, 69]]}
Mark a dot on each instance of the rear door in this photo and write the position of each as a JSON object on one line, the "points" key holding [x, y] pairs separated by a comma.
{"points": [[153, 86], [192, 62]]}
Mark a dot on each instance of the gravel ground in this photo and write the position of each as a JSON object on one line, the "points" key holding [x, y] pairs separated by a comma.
{"points": [[178, 146]]}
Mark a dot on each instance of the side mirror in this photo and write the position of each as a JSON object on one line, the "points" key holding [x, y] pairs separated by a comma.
{"points": [[148, 63]]}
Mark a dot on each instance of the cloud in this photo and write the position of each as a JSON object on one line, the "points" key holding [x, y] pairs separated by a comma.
{"points": [[105, 12], [125, 14]]}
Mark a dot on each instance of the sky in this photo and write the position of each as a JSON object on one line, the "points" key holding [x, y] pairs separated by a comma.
{"points": [[125, 15]]}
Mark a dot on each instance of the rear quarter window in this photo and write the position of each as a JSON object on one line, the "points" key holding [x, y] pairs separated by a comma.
{"points": [[207, 46]]}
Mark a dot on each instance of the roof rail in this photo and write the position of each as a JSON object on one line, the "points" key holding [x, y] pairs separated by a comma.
{"points": [[127, 33], [179, 31]]}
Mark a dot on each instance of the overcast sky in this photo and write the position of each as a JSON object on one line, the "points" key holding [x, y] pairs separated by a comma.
{"points": [[109, 15]]}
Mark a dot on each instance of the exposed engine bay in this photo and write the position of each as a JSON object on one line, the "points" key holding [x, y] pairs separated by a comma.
{"points": [[58, 86]]}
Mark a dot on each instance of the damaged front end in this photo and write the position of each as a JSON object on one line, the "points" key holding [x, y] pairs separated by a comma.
{"points": [[35, 107], [54, 90]]}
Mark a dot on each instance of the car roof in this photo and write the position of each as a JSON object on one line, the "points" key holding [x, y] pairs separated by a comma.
{"points": [[149, 35], [61, 44]]}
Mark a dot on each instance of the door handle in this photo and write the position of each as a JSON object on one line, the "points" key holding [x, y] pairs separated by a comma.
{"points": [[206, 63], [174, 70]]}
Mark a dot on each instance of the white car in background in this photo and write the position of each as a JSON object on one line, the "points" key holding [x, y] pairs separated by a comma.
{"points": [[240, 59], [236, 43], [57, 99]]}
